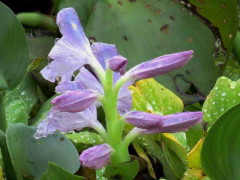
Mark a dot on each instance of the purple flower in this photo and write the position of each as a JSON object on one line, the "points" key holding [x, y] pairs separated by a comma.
{"points": [[96, 157], [70, 52], [86, 80], [160, 65], [65, 122], [74, 101], [176, 123], [118, 64], [144, 120]]}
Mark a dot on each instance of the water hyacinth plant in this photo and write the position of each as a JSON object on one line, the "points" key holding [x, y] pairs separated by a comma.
{"points": [[76, 106]]}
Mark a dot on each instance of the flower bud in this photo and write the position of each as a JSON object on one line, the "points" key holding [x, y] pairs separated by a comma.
{"points": [[144, 120], [96, 157], [118, 64], [177, 122], [74, 101], [160, 65]]}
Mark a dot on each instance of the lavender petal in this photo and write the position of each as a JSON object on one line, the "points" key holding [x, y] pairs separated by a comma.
{"points": [[96, 157], [124, 99], [65, 122], [118, 64], [70, 52], [103, 52], [74, 101], [144, 120], [177, 122], [160, 65], [68, 86], [88, 81]]}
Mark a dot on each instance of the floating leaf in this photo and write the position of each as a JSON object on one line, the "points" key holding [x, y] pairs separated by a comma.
{"points": [[20, 101], [55, 172], [35, 154], [13, 50], [221, 147], [224, 95]]}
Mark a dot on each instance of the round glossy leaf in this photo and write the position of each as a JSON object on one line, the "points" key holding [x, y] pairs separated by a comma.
{"points": [[55, 172], [20, 101], [220, 154], [224, 95], [13, 49], [30, 156]]}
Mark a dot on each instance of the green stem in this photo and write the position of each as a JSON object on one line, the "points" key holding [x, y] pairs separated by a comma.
{"points": [[38, 20], [114, 125], [7, 163], [130, 137]]}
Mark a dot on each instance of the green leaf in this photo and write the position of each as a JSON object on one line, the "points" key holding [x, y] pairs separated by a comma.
{"points": [[84, 139], [154, 149], [55, 172], [174, 162], [157, 28], [30, 156], [175, 153], [221, 147], [194, 134], [39, 47], [124, 171], [149, 95], [194, 155], [13, 50], [222, 14], [20, 101], [224, 95]]}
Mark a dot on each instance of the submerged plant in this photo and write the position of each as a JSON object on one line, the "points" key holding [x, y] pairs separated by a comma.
{"points": [[76, 107]]}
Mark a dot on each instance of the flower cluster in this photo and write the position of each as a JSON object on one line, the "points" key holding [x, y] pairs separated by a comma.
{"points": [[75, 107]]}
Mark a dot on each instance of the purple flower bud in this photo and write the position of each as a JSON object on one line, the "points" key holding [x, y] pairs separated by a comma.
{"points": [[160, 65], [144, 120], [96, 157], [177, 122], [118, 64], [74, 101]]}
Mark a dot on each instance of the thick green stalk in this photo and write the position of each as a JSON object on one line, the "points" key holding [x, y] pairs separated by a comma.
{"points": [[114, 125]]}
